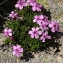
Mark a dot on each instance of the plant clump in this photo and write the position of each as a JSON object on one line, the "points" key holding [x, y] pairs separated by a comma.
{"points": [[28, 27]]}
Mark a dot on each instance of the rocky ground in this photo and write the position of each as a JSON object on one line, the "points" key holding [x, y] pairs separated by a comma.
{"points": [[51, 55]]}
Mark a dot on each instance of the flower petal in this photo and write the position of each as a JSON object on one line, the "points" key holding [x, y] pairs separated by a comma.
{"points": [[43, 40], [48, 37], [38, 9], [14, 47], [36, 36], [10, 34], [33, 29], [30, 32], [53, 29], [21, 49], [34, 8], [32, 36], [18, 54], [50, 25], [34, 20], [5, 30], [5, 34], [9, 30], [20, 7], [17, 5], [14, 52], [18, 46], [39, 32], [37, 28]]}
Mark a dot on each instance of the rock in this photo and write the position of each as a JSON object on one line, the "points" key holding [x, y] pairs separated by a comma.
{"points": [[2, 38], [59, 60]]}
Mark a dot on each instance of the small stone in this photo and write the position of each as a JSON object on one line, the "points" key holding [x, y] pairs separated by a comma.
{"points": [[60, 60]]}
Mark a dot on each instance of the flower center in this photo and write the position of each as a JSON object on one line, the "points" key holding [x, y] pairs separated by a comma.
{"points": [[35, 32], [17, 50]]}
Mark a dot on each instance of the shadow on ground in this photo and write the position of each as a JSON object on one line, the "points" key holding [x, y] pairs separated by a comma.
{"points": [[46, 13], [27, 55], [6, 6]]}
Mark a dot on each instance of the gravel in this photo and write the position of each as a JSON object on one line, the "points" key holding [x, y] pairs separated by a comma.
{"points": [[46, 56]]}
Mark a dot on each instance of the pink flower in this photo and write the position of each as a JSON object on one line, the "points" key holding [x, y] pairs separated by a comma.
{"points": [[41, 20], [31, 2], [44, 23], [7, 32], [20, 4], [36, 7], [45, 36], [11, 38], [54, 26], [57, 27], [45, 20], [17, 50], [13, 15], [38, 19], [43, 27], [35, 33]]}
